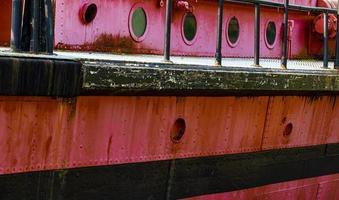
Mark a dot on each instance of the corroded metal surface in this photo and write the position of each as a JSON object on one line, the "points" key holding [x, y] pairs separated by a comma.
{"points": [[301, 121], [320, 188], [107, 130], [44, 133]]}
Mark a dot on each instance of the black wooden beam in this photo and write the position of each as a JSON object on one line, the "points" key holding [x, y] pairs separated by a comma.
{"points": [[128, 78], [39, 77]]}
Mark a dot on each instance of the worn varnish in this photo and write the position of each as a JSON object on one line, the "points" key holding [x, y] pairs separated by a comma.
{"points": [[131, 78]]}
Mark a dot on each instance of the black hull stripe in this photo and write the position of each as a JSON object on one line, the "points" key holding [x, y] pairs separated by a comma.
{"points": [[172, 179]]}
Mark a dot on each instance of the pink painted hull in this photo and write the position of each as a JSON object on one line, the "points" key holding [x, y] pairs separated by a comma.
{"points": [[45, 133], [87, 135], [320, 188]]}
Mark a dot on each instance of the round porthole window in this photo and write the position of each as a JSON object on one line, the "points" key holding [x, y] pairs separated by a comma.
{"points": [[88, 13], [189, 28], [138, 24], [271, 34], [233, 31]]}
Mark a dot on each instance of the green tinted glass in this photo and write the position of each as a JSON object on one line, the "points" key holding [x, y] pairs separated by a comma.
{"points": [[190, 26], [271, 33], [233, 30], [139, 22]]}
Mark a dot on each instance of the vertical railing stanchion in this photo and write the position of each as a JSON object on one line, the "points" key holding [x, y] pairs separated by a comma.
{"points": [[284, 42], [218, 54], [16, 25], [257, 35], [49, 23], [167, 46], [35, 26], [336, 61], [325, 64]]}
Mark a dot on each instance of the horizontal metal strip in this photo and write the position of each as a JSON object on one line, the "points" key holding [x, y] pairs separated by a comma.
{"points": [[174, 179]]}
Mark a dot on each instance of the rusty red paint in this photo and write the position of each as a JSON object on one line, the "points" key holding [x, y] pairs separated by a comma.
{"points": [[329, 189], [39, 133], [318, 26], [321, 188], [109, 43], [295, 121], [71, 33], [131, 129], [184, 5], [5, 22]]}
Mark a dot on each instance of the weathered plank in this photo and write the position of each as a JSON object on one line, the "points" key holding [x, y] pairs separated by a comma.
{"points": [[122, 78]]}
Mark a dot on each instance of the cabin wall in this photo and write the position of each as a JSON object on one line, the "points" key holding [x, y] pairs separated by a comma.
{"points": [[110, 30]]}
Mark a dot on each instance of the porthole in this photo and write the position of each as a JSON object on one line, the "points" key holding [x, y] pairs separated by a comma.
{"points": [[138, 23], [233, 31], [271, 34], [189, 28], [88, 13], [178, 130]]}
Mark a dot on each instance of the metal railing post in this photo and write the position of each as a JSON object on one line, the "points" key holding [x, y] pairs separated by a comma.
{"points": [[284, 42], [34, 47], [336, 62], [218, 54], [49, 23], [257, 35], [16, 25], [325, 56], [167, 46]]}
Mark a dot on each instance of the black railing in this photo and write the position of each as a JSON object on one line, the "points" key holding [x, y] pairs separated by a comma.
{"points": [[336, 62], [285, 32], [167, 47], [218, 54], [32, 27], [35, 35], [257, 35], [16, 25], [257, 4], [325, 52]]}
